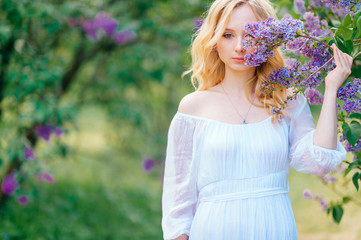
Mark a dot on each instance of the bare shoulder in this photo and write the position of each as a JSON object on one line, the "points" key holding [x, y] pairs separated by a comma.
{"points": [[193, 102]]}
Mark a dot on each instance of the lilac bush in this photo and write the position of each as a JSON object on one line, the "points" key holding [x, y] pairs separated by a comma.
{"points": [[308, 41]]}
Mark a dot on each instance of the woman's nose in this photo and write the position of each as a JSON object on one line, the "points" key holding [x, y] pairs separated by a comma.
{"points": [[239, 45]]}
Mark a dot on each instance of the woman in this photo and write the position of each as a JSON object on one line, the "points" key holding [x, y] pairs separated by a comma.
{"points": [[227, 162]]}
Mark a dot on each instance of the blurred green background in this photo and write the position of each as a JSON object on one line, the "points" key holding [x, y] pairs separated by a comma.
{"points": [[115, 101]]}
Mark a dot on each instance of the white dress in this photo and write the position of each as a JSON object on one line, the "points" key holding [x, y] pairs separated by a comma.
{"points": [[230, 182]]}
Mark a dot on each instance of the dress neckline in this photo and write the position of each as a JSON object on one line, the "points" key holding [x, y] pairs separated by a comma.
{"points": [[224, 123]]}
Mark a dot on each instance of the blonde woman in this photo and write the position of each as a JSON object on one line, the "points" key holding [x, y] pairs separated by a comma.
{"points": [[228, 157]]}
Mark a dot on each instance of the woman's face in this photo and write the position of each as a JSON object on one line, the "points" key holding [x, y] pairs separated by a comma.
{"points": [[230, 48]]}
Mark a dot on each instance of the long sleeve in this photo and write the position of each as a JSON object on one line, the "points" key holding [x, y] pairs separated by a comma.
{"points": [[180, 195], [304, 155]]}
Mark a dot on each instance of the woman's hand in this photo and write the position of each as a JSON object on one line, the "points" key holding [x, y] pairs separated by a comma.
{"points": [[337, 76]]}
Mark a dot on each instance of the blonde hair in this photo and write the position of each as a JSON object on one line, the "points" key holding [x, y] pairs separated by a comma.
{"points": [[208, 69]]}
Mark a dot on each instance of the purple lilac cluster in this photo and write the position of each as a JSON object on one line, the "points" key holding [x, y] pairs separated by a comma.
{"points": [[307, 194], [314, 97], [103, 23], [266, 35], [300, 5], [45, 177], [23, 200], [198, 22], [348, 93], [338, 7], [148, 164], [328, 179], [315, 27], [9, 184], [348, 146], [296, 74], [45, 131], [356, 148], [29, 153]]}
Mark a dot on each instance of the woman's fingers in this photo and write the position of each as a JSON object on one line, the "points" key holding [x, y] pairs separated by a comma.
{"points": [[342, 60]]}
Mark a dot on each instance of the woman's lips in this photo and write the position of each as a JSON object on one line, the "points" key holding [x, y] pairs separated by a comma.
{"points": [[238, 60]]}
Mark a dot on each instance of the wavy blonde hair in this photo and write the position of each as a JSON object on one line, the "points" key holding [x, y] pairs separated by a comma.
{"points": [[208, 69]]}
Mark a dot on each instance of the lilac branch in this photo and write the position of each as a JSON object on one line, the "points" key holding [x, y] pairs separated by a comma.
{"points": [[324, 65], [350, 163], [357, 55], [342, 195], [315, 39]]}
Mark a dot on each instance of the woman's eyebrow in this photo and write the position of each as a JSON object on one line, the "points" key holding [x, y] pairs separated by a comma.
{"points": [[231, 30]]}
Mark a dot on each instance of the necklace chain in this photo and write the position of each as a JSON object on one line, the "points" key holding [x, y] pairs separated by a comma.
{"points": [[244, 118]]}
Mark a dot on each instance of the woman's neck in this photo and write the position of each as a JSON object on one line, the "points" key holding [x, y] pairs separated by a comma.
{"points": [[234, 81]]}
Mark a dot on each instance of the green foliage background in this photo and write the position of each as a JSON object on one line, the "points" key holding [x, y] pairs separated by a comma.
{"points": [[115, 103]]}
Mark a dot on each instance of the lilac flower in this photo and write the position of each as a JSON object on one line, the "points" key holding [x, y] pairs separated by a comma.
{"points": [[314, 97], [328, 179], [89, 28], [105, 22], [101, 22], [44, 131], [148, 164], [350, 90], [9, 184], [352, 105], [313, 26], [58, 131], [348, 146], [300, 5], [29, 153], [345, 3], [198, 23], [266, 35], [282, 76], [307, 194], [124, 36], [45, 177], [356, 148], [23, 200], [323, 204]]}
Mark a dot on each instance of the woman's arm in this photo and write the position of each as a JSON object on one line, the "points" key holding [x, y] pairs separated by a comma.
{"points": [[326, 130]]}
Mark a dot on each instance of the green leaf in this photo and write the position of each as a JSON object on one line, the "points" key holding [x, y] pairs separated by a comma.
{"points": [[340, 43], [355, 115], [355, 127], [346, 130], [355, 179], [14, 16], [352, 166], [344, 32], [1, 162], [337, 213], [346, 21], [355, 18], [345, 199], [349, 46], [358, 25]]}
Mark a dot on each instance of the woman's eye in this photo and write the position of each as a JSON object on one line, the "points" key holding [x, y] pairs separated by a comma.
{"points": [[227, 35]]}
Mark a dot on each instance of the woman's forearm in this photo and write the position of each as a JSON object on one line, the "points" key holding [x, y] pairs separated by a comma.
{"points": [[326, 130]]}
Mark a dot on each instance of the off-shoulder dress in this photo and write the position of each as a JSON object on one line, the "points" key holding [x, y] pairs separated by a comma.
{"points": [[230, 182]]}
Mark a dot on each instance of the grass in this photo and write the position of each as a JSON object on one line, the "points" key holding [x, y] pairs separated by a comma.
{"points": [[101, 194]]}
